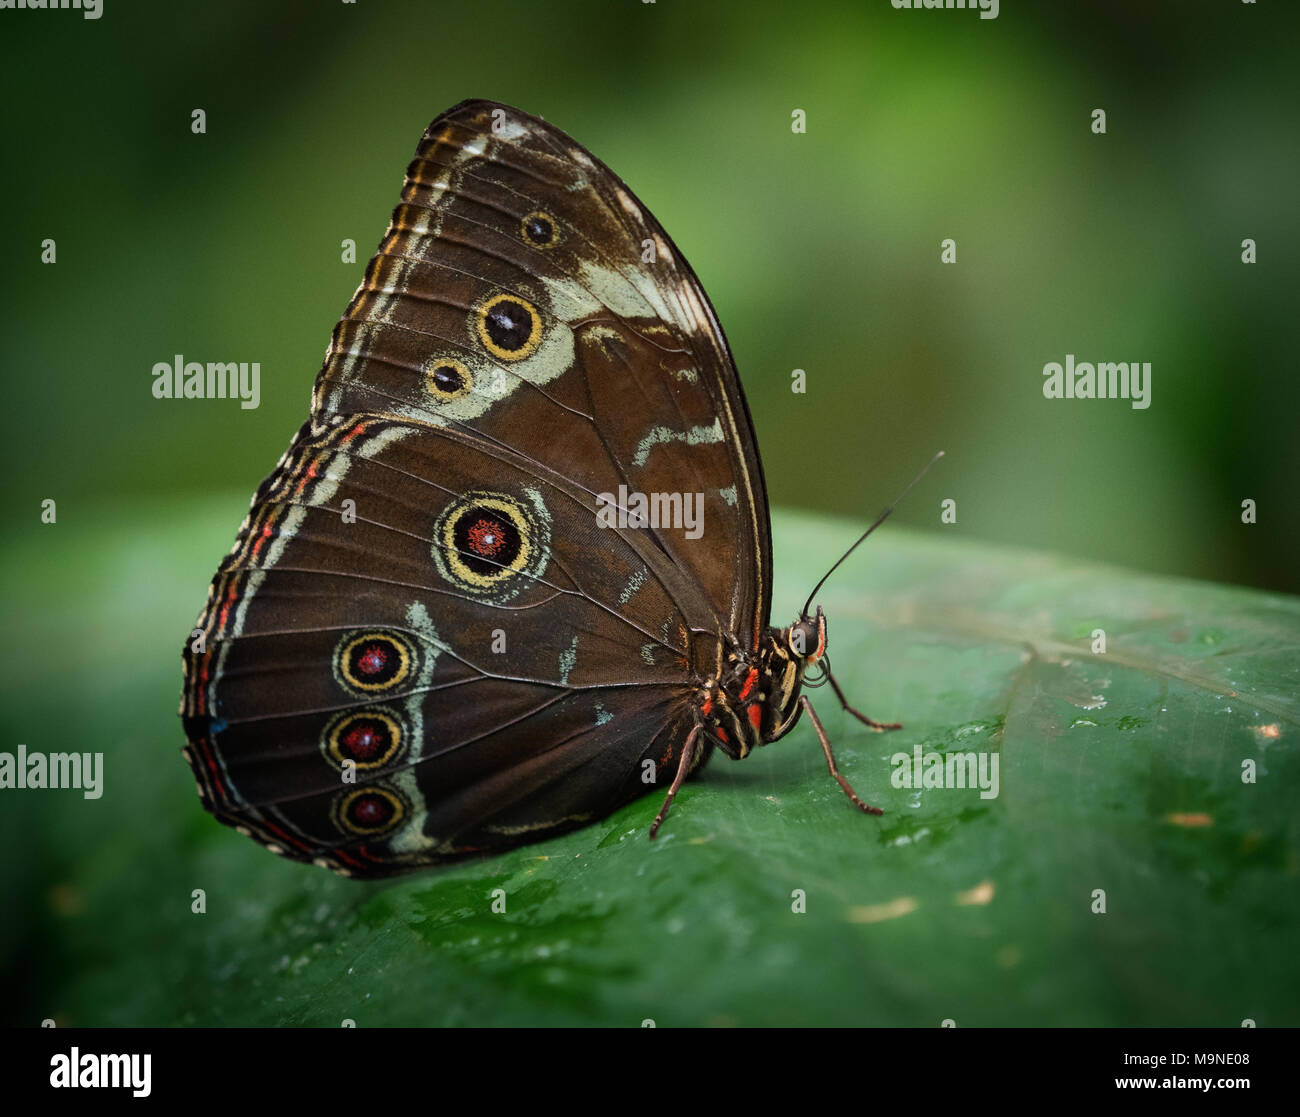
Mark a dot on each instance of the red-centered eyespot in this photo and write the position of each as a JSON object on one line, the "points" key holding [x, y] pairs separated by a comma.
{"points": [[370, 811], [487, 537], [365, 740], [484, 540], [370, 738], [373, 660]]}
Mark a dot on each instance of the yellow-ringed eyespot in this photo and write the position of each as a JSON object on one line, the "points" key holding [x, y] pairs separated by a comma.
{"points": [[369, 812], [539, 229], [374, 662], [485, 540], [370, 738], [508, 326], [446, 379]]}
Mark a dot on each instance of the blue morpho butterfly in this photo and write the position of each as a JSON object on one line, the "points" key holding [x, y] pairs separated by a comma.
{"points": [[440, 633]]}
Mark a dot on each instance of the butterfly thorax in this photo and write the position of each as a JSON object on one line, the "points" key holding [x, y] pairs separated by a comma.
{"points": [[753, 699]]}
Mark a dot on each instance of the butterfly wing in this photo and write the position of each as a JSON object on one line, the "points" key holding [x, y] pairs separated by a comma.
{"points": [[524, 293], [466, 644], [424, 644]]}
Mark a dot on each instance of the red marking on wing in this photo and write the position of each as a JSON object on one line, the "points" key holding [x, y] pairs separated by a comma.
{"points": [[206, 749], [668, 755], [755, 712], [344, 857], [265, 534], [307, 479], [486, 537], [287, 838], [364, 742], [225, 608], [201, 691]]}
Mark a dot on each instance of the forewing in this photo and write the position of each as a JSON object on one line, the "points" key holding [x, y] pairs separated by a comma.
{"points": [[523, 293]]}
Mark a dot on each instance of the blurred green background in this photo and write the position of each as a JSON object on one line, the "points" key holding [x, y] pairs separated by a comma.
{"points": [[820, 252]]}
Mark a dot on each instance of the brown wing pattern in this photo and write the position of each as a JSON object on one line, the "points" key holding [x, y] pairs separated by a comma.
{"points": [[424, 644], [626, 379], [477, 698]]}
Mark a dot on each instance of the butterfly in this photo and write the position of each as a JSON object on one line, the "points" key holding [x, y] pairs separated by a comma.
{"points": [[463, 612]]}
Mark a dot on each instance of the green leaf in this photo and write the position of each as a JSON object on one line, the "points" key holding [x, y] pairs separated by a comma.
{"points": [[1120, 772]]}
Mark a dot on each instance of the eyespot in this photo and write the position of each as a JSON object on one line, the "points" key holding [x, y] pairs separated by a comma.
{"points": [[369, 812], [371, 738], [509, 327], [374, 662], [484, 541], [539, 229], [446, 379]]}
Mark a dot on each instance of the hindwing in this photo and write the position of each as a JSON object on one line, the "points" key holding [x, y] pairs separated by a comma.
{"points": [[452, 621]]}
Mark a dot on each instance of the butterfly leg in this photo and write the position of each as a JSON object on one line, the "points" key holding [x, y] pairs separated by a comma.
{"points": [[877, 725], [830, 758], [683, 770]]}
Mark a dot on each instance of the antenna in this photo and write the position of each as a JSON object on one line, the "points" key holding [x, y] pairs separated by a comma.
{"points": [[879, 520]]}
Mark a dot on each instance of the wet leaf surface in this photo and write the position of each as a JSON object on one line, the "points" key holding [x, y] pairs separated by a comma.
{"points": [[1120, 772]]}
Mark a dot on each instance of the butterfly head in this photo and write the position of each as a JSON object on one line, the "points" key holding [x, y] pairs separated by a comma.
{"points": [[806, 638], [787, 658]]}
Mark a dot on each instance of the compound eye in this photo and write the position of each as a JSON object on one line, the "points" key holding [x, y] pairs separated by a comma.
{"points": [[804, 639]]}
